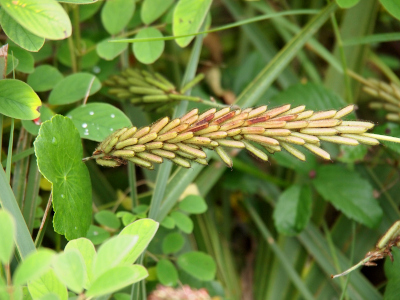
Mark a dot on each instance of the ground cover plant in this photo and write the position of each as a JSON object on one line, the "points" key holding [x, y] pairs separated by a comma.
{"points": [[122, 129]]}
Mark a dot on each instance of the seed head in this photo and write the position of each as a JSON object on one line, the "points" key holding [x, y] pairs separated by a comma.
{"points": [[184, 140]]}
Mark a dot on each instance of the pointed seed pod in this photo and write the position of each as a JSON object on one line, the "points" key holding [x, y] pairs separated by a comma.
{"points": [[254, 150], [224, 156], [294, 151], [318, 151]]}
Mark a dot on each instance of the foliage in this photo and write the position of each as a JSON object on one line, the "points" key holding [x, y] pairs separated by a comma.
{"points": [[157, 81]]}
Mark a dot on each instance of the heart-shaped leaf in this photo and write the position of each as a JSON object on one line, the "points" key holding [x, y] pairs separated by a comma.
{"points": [[51, 23], [96, 121], [18, 100], [58, 150]]}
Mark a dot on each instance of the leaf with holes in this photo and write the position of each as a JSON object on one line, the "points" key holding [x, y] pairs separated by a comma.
{"points": [[45, 18], [58, 150], [95, 121]]}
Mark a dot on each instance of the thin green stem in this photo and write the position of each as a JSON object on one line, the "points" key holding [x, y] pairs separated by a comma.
{"points": [[225, 27], [9, 153], [352, 252], [72, 54], [77, 34], [342, 58], [132, 185], [333, 251], [165, 169]]}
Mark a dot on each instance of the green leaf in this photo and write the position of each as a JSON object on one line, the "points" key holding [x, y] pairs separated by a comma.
{"points": [[198, 264], [26, 63], [141, 209], [153, 9], [34, 266], [87, 11], [97, 235], [88, 253], [391, 129], [145, 229], [349, 193], [193, 204], [7, 234], [116, 14], [148, 52], [96, 121], [127, 217], [115, 279], [168, 223], [351, 154], [188, 17], [88, 60], [18, 100], [172, 243], [74, 88], [167, 273], [46, 284], [70, 269], [347, 3], [51, 23], [33, 126], [108, 219], [18, 34], [58, 150], [393, 7], [12, 63], [293, 210], [313, 96], [182, 221], [109, 51], [113, 252], [392, 272], [78, 1], [44, 78]]}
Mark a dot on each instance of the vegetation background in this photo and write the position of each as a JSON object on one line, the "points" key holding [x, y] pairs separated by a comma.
{"points": [[275, 230]]}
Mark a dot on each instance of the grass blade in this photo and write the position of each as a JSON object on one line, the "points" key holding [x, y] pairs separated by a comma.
{"points": [[23, 238], [265, 78]]}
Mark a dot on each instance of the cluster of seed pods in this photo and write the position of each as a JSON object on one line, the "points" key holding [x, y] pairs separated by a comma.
{"points": [[258, 130]]}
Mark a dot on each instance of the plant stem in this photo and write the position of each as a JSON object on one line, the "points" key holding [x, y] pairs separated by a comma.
{"points": [[40, 234], [9, 153], [77, 35]]}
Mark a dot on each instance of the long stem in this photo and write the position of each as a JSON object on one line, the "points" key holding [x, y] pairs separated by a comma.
{"points": [[77, 34], [9, 154], [40, 233], [342, 58]]}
